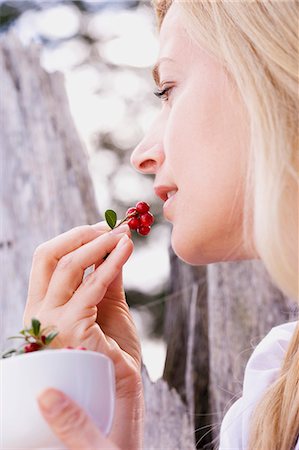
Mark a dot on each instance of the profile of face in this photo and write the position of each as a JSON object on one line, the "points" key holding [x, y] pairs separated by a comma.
{"points": [[197, 146]]}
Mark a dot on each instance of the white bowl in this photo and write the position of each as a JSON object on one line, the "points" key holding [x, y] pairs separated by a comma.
{"points": [[87, 377]]}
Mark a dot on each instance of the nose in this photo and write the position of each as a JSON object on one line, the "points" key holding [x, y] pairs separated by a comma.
{"points": [[149, 155]]}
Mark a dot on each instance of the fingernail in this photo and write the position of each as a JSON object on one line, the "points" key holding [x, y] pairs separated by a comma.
{"points": [[122, 229], [100, 226], [52, 401]]}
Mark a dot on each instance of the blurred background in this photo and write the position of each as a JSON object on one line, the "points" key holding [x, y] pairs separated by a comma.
{"points": [[96, 45]]}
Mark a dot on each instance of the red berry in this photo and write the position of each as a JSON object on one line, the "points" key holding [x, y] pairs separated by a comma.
{"points": [[144, 230], [43, 338], [131, 211], [142, 207], [147, 219], [32, 347], [134, 223], [81, 348]]}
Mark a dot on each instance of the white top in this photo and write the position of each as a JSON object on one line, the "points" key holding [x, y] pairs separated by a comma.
{"points": [[261, 370]]}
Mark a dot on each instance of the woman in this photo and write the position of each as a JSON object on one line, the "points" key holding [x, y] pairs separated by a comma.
{"points": [[227, 131]]}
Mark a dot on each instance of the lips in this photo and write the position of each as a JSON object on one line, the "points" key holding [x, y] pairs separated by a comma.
{"points": [[171, 193], [165, 192], [169, 201]]}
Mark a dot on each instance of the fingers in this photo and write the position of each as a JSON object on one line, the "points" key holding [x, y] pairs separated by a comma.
{"points": [[69, 271], [95, 285], [47, 255], [70, 423]]}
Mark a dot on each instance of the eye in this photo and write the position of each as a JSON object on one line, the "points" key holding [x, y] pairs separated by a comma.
{"points": [[163, 94]]}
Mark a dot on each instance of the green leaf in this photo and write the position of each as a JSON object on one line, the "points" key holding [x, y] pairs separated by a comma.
{"points": [[111, 217], [35, 326], [50, 337]]}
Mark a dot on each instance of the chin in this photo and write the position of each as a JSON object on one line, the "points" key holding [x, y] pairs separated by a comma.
{"points": [[197, 253], [189, 253]]}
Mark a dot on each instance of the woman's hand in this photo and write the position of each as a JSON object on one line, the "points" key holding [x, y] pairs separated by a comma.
{"points": [[92, 313], [70, 423]]}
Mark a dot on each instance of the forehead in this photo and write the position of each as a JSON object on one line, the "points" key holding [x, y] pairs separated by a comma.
{"points": [[176, 42], [173, 37]]}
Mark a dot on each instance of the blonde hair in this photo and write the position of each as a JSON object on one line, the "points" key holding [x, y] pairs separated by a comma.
{"points": [[257, 43]]}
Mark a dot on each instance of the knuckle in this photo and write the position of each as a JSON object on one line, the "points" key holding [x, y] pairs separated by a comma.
{"points": [[118, 266], [65, 262], [82, 232], [72, 420], [40, 251], [94, 280]]}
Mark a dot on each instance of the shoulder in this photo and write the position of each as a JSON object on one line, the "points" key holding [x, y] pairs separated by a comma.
{"points": [[261, 370]]}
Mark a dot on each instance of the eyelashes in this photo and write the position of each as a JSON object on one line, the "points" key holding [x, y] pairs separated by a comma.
{"points": [[163, 94]]}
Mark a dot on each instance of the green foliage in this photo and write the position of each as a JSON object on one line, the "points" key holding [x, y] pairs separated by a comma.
{"points": [[30, 335], [50, 337], [111, 217], [35, 327]]}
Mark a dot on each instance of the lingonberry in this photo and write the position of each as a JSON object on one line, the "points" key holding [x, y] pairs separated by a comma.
{"points": [[32, 347], [146, 219], [134, 223], [144, 230], [131, 211], [142, 207], [81, 348]]}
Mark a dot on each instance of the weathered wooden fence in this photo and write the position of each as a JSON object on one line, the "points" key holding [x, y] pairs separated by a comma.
{"points": [[215, 314]]}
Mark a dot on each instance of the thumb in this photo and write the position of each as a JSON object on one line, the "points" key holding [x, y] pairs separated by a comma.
{"points": [[70, 423]]}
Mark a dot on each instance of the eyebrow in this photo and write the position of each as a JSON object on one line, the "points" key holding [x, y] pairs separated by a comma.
{"points": [[155, 71]]}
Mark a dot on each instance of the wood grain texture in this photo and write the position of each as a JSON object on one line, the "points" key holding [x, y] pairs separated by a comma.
{"points": [[186, 333], [46, 188], [244, 305], [167, 423]]}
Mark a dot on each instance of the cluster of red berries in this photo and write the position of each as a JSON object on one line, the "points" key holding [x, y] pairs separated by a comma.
{"points": [[35, 340], [140, 219], [32, 347]]}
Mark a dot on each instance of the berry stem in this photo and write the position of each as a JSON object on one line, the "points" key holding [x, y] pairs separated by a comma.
{"points": [[127, 218]]}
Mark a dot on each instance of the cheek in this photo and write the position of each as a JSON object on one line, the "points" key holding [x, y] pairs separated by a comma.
{"points": [[207, 218], [207, 143], [206, 230]]}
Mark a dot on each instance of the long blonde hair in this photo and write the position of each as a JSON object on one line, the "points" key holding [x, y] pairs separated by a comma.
{"points": [[257, 42]]}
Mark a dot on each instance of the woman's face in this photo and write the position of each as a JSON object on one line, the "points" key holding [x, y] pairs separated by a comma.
{"points": [[198, 146]]}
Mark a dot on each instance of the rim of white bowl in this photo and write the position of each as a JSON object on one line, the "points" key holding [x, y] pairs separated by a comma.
{"points": [[59, 350]]}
